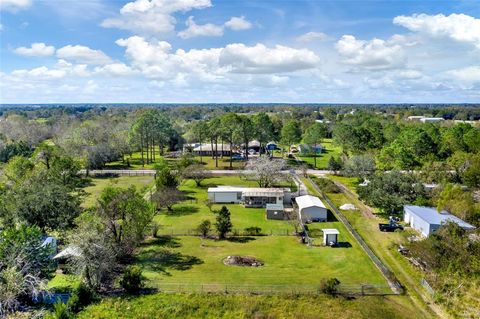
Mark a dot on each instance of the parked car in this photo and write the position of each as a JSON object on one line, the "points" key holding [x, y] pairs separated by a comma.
{"points": [[238, 157], [390, 227]]}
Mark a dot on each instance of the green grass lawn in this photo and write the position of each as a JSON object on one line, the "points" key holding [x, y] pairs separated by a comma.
{"points": [[188, 214], [99, 183], [192, 260], [330, 150], [193, 306], [384, 244]]}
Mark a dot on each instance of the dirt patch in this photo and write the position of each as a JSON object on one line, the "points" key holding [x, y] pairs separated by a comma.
{"points": [[245, 261]]}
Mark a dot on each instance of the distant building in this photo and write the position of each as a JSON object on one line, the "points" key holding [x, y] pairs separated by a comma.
{"points": [[323, 121], [305, 149], [432, 119], [311, 208], [207, 150], [427, 220], [416, 118]]}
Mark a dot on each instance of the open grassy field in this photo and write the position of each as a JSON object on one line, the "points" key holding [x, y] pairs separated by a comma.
{"points": [[188, 214], [99, 183], [192, 260], [193, 306], [330, 150], [384, 244]]}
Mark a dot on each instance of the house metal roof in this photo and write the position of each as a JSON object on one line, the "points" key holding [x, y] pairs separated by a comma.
{"points": [[226, 189], [274, 207], [263, 191], [432, 216], [330, 231], [309, 201]]}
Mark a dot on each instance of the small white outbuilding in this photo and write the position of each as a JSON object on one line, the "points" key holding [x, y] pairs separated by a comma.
{"points": [[330, 236], [311, 208]]}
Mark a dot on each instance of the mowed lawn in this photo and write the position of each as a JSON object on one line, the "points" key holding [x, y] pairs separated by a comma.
{"points": [[94, 189], [193, 260], [188, 214], [330, 150]]}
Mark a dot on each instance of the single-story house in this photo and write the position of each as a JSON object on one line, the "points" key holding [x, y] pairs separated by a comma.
{"points": [[416, 118], [189, 147], [432, 119], [225, 194], [249, 196], [311, 208], [207, 150], [275, 211], [330, 236], [260, 197], [305, 149], [427, 220]]}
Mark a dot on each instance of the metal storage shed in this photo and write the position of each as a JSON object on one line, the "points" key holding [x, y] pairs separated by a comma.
{"points": [[427, 220], [275, 211], [311, 208], [330, 236]]}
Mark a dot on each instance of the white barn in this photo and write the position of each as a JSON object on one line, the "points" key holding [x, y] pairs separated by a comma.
{"points": [[427, 220], [311, 208]]}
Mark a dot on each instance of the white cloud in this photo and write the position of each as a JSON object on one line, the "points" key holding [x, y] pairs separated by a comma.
{"points": [[468, 75], [312, 36], [14, 5], [39, 73], [409, 74], [375, 54], [458, 27], [154, 17], [115, 69], [196, 30], [240, 58], [82, 54], [36, 49], [238, 24]]}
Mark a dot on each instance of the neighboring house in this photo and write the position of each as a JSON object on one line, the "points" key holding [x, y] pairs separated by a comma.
{"points": [[206, 149], [305, 149], [275, 211], [323, 121], [427, 220], [250, 197], [416, 118], [189, 147], [432, 119], [260, 197], [311, 208], [253, 145]]}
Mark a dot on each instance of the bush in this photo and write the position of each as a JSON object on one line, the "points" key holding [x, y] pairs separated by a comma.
{"points": [[155, 227], [60, 311], [327, 186], [204, 228], [329, 286], [82, 297], [132, 280], [253, 231]]}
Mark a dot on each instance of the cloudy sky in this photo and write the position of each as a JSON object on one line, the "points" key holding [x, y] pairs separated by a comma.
{"points": [[69, 51]]}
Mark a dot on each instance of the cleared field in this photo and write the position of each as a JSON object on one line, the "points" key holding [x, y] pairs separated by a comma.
{"points": [[190, 306], [192, 260], [99, 183], [330, 150], [188, 214]]}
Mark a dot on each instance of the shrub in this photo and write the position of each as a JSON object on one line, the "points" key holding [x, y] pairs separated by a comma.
{"points": [[82, 297], [253, 231], [204, 228], [329, 286], [327, 185], [155, 227], [60, 311], [132, 280]]}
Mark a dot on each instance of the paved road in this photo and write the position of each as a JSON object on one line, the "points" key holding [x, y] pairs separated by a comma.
{"points": [[139, 172]]}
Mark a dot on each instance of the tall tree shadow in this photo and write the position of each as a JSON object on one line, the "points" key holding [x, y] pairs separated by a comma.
{"points": [[182, 210], [164, 260]]}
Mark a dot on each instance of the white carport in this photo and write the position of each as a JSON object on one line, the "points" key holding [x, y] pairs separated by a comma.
{"points": [[311, 208]]}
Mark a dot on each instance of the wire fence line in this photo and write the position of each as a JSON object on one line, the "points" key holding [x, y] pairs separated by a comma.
{"points": [[342, 289], [387, 273], [235, 232]]}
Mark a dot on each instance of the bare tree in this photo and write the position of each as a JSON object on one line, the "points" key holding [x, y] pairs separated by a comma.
{"points": [[167, 197], [196, 172], [266, 172]]}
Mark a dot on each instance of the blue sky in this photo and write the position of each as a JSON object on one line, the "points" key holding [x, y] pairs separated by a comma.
{"points": [[67, 51]]}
